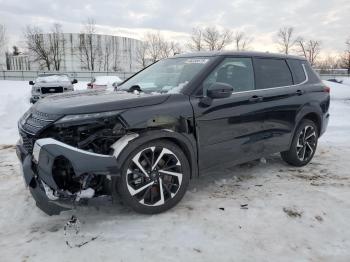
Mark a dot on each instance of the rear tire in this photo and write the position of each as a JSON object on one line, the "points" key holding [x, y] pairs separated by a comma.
{"points": [[304, 144], [154, 177]]}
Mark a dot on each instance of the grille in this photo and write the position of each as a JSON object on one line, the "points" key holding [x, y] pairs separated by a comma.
{"points": [[28, 142], [35, 123], [52, 90]]}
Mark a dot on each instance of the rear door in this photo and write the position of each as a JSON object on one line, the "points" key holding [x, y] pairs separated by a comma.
{"points": [[282, 98]]}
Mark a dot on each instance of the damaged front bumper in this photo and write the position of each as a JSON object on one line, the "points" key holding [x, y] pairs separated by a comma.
{"points": [[38, 172]]}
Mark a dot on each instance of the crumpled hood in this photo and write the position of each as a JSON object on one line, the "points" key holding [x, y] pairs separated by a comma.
{"points": [[94, 101]]}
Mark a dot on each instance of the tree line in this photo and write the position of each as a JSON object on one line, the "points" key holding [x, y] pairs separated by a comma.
{"points": [[49, 51]]}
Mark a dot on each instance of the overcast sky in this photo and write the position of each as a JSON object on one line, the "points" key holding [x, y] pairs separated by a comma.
{"points": [[324, 20]]}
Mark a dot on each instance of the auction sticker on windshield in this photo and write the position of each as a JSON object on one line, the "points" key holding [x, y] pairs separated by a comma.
{"points": [[196, 61]]}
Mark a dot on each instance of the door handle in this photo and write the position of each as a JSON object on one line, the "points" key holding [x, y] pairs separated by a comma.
{"points": [[256, 99], [299, 92]]}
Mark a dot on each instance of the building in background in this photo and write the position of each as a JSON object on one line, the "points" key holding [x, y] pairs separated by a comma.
{"points": [[3, 60], [17, 62], [82, 52]]}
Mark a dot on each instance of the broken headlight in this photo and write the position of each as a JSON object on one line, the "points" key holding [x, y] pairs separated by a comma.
{"points": [[86, 117]]}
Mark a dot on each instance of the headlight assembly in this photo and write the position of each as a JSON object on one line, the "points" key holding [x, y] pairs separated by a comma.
{"points": [[86, 117]]}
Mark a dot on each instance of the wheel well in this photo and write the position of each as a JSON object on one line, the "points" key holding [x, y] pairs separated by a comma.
{"points": [[314, 118]]}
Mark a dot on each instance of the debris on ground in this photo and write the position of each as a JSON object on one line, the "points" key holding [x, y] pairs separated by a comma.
{"points": [[292, 212], [222, 208], [244, 206], [71, 233], [319, 218]]}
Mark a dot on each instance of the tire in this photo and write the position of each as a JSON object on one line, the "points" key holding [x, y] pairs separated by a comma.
{"points": [[304, 144], [153, 168]]}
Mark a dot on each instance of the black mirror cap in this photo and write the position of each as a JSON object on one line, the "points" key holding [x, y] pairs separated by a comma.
{"points": [[219, 90], [31, 83], [74, 81]]}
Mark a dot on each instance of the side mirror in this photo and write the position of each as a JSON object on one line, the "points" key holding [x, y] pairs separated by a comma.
{"points": [[31, 82], [89, 85], [74, 81], [219, 90]]}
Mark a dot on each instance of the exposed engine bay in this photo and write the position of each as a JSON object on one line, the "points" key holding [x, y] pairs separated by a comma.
{"points": [[96, 137]]}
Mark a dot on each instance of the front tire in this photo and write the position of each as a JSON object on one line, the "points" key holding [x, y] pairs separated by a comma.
{"points": [[304, 144], [154, 177]]}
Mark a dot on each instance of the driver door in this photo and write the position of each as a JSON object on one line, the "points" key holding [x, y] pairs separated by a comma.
{"points": [[229, 129]]}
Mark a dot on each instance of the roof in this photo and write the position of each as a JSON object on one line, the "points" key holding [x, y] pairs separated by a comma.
{"points": [[239, 53]]}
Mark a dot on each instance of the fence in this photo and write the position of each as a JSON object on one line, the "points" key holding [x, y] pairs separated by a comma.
{"points": [[88, 75], [332, 73], [79, 75]]}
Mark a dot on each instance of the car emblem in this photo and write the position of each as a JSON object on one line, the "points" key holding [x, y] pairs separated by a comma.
{"points": [[52, 90]]}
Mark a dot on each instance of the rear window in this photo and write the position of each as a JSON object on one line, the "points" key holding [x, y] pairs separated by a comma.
{"points": [[272, 73], [297, 70]]}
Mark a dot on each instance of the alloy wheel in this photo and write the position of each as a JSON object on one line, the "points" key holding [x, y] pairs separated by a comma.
{"points": [[306, 144], [154, 176]]}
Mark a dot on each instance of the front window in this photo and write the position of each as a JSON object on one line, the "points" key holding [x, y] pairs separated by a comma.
{"points": [[237, 72], [166, 76], [52, 78]]}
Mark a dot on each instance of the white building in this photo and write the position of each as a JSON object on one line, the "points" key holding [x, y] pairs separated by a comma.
{"points": [[2, 60], [110, 53]]}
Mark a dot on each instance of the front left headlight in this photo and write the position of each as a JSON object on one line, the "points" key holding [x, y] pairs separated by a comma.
{"points": [[85, 117]]}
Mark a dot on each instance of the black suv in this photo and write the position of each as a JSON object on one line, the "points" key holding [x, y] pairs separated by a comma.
{"points": [[167, 124]]}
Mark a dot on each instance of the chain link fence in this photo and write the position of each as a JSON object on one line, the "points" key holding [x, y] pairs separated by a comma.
{"points": [[79, 75]]}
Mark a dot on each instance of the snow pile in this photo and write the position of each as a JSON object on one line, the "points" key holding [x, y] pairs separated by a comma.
{"points": [[14, 102], [338, 91]]}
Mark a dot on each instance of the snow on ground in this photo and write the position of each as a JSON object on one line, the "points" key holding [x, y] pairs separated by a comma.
{"points": [[265, 211], [14, 101]]}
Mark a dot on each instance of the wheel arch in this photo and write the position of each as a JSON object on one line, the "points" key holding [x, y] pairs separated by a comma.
{"points": [[311, 112], [185, 142], [314, 117]]}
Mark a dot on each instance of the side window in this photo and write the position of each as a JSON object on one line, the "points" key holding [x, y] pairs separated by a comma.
{"points": [[272, 73], [238, 72], [297, 70]]}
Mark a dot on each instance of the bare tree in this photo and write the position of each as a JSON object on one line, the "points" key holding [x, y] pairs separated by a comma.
{"points": [[15, 50], [142, 54], [57, 43], [345, 58], [154, 43], [38, 46], [329, 62], [175, 48], [90, 46], [241, 41], [157, 47], [196, 42], [310, 49], [285, 39], [216, 40]]}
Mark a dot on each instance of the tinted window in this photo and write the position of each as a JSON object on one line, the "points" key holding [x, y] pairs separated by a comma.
{"points": [[238, 72], [297, 70], [272, 73]]}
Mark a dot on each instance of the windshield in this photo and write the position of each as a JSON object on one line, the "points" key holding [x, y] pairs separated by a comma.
{"points": [[166, 76], [52, 78]]}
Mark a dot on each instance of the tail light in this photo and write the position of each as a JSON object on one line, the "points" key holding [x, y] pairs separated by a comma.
{"points": [[327, 89]]}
